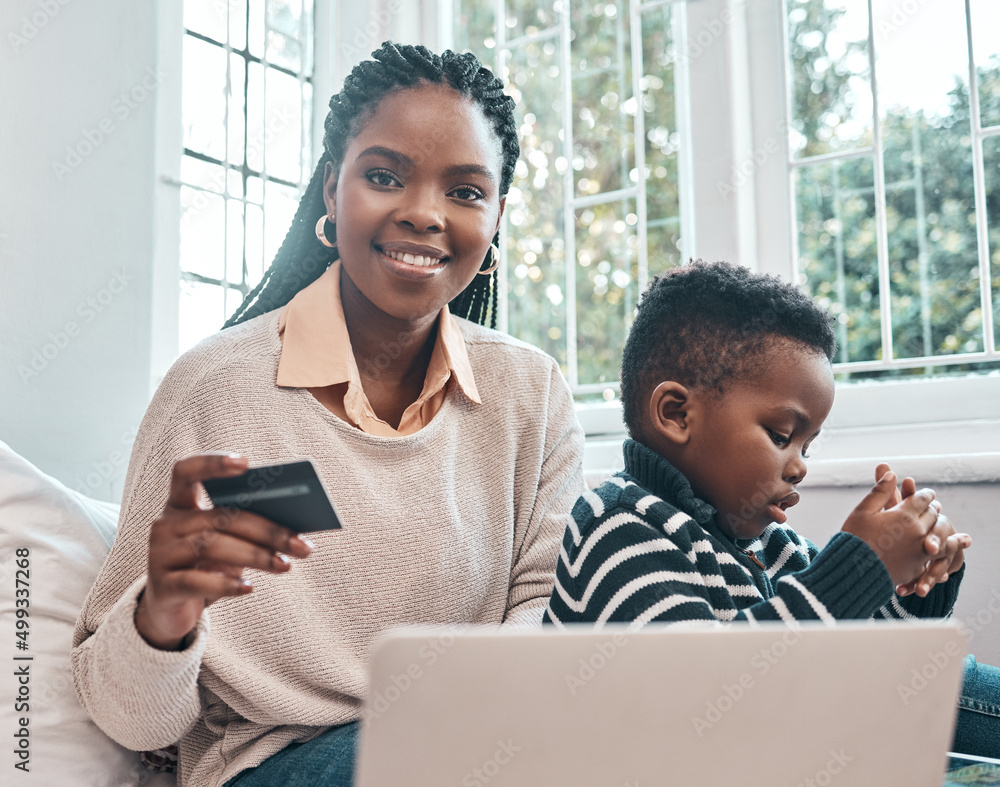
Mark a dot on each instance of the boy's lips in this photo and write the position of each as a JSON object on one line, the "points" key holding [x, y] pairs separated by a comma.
{"points": [[776, 509]]}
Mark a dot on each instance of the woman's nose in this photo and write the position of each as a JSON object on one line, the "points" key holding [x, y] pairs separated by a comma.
{"points": [[422, 212]]}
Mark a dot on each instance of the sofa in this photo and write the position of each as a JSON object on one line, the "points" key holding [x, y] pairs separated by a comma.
{"points": [[53, 542]]}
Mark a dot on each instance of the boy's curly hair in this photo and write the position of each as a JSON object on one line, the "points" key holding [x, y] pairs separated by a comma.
{"points": [[706, 325]]}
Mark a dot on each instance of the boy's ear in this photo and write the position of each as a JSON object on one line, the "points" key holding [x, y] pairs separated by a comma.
{"points": [[668, 411]]}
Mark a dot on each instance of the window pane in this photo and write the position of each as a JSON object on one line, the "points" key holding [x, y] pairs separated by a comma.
{"points": [[204, 98], [237, 121], [203, 224], [283, 134], [662, 142], [255, 25], [255, 117], [280, 203], [209, 19], [606, 288], [254, 244], [525, 17], [930, 202], [202, 312], [837, 263], [234, 241], [283, 51], [991, 156], [237, 23], [203, 174], [475, 28], [986, 46], [285, 17], [603, 147], [535, 245], [828, 76]]}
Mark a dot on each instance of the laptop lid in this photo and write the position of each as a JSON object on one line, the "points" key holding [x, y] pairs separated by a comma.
{"points": [[856, 704]]}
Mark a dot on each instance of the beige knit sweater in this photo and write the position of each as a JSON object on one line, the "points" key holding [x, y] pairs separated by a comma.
{"points": [[458, 523]]}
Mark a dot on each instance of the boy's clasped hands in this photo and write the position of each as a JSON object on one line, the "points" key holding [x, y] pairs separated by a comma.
{"points": [[905, 527]]}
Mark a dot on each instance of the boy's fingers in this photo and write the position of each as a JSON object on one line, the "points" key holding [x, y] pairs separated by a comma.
{"points": [[188, 473], [908, 487], [879, 495], [880, 470]]}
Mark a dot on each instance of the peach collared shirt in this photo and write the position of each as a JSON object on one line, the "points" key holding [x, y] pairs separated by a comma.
{"points": [[316, 352]]}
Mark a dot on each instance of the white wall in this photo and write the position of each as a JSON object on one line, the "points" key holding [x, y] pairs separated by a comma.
{"points": [[972, 508], [78, 91]]}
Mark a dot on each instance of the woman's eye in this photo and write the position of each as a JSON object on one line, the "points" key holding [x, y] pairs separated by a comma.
{"points": [[467, 193], [382, 177], [776, 438]]}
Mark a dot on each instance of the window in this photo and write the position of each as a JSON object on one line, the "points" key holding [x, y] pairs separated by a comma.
{"points": [[247, 123], [595, 206], [894, 165]]}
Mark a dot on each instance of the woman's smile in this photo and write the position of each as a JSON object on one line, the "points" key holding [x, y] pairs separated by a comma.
{"points": [[402, 257]]}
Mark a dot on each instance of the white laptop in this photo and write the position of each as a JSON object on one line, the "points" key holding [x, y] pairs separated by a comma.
{"points": [[859, 704]]}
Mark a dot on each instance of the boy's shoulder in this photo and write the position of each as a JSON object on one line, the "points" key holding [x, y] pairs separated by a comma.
{"points": [[621, 495]]}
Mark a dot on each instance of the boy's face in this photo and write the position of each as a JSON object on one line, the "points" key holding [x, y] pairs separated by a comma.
{"points": [[746, 450]]}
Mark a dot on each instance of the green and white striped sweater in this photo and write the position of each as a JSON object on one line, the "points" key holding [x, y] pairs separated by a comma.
{"points": [[642, 548]]}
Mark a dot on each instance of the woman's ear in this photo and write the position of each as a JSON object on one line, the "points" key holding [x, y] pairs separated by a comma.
{"points": [[668, 412], [330, 189]]}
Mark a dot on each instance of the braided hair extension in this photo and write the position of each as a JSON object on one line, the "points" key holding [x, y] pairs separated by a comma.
{"points": [[302, 258]]}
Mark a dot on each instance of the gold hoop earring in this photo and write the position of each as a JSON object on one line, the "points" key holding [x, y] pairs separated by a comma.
{"points": [[323, 232], [494, 258]]}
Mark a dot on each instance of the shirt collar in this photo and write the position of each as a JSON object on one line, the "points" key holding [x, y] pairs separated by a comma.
{"points": [[316, 348]]}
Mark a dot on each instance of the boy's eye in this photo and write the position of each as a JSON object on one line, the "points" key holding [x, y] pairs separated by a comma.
{"points": [[776, 438], [382, 177], [467, 193]]}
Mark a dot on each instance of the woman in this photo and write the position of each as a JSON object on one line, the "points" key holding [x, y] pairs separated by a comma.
{"points": [[451, 451]]}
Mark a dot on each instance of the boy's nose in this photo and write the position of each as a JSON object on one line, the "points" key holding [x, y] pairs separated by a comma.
{"points": [[795, 470]]}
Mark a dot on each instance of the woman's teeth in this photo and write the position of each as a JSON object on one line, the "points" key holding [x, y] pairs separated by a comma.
{"points": [[412, 259]]}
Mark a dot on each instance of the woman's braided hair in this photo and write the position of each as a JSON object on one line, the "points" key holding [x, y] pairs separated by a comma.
{"points": [[302, 258]]}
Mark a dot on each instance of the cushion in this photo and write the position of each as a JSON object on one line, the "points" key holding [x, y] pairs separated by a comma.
{"points": [[58, 538]]}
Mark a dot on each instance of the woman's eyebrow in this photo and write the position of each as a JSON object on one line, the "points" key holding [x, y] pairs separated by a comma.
{"points": [[378, 150], [471, 169]]}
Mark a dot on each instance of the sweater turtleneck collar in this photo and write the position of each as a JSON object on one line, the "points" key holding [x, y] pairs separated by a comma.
{"points": [[664, 480]]}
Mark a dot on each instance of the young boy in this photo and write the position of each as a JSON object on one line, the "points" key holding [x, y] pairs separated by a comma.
{"points": [[726, 380]]}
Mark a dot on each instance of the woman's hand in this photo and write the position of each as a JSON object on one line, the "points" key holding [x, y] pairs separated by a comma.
{"points": [[197, 555]]}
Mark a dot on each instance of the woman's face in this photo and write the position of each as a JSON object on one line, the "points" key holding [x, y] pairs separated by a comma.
{"points": [[417, 200]]}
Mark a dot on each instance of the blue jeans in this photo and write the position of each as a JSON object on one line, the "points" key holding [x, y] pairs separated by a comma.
{"points": [[978, 728], [325, 761]]}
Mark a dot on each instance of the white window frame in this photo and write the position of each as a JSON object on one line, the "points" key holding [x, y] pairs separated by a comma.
{"points": [[943, 430], [939, 430]]}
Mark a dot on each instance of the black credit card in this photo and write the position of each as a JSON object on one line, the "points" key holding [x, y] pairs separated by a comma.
{"points": [[290, 495]]}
